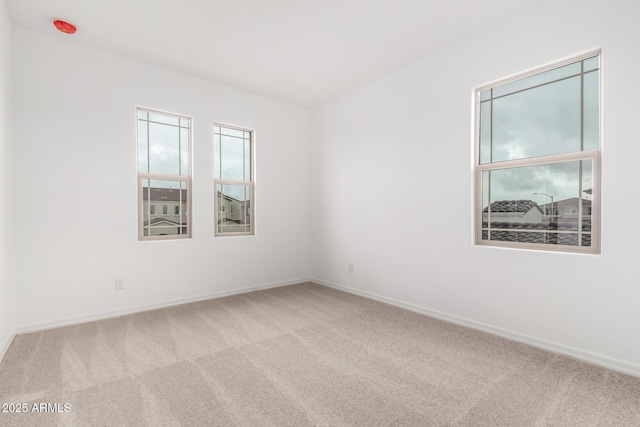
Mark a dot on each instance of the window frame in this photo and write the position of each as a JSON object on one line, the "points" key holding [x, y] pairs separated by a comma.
{"points": [[217, 209], [142, 176], [587, 155]]}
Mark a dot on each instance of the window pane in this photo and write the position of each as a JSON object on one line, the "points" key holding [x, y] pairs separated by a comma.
{"points": [[164, 145], [486, 176], [169, 198], [143, 155], [591, 111], [184, 152], [231, 157], [485, 132], [231, 132], [163, 118], [234, 208], [537, 122], [527, 203], [147, 208], [537, 79], [587, 195], [518, 214], [247, 158], [216, 155], [485, 94], [184, 206], [592, 63]]}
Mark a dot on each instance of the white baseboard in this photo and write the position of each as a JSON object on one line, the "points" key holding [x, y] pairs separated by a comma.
{"points": [[74, 320], [596, 359]]}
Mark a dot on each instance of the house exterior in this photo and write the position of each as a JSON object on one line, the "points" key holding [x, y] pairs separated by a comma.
{"points": [[513, 211], [165, 211], [234, 216], [526, 221], [567, 210]]}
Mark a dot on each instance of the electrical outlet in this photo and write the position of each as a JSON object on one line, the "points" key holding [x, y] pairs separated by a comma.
{"points": [[350, 267], [119, 284]]}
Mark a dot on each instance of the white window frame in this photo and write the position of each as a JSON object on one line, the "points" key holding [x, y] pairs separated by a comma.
{"points": [[143, 175], [249, 183], [589, 155]]}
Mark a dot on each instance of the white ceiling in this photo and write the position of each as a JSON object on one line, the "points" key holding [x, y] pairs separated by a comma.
{"points": [[299, 51]]}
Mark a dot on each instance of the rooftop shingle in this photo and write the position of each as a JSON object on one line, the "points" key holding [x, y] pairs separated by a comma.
{"points": [[512, 206]]}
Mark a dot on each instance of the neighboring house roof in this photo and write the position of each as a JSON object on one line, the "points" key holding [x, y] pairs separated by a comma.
{"points": [[164, 194], [558, 233], [232, 199], [156, 221], [552, 239], [173, 195], [523, 232], [512, 206]]}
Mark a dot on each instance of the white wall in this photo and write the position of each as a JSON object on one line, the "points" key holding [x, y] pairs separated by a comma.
{"points": [[405, 141], [75, 185], [6, 183]]}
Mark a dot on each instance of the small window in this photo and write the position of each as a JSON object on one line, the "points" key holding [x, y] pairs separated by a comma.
{"points": [[538, 159], [164, 174], [176, 210], [233, 180]]}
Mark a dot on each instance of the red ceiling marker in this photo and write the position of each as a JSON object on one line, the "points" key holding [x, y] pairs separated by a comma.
{"points": [[65, 27]]}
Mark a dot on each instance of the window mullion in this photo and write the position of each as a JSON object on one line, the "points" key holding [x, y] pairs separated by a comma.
{"points": [[556, 158]]}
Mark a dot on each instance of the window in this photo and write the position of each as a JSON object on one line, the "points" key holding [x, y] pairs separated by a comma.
{"points": [[538, 159], [164, 174], [233, 180]]}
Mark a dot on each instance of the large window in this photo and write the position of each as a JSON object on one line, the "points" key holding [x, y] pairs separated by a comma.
{"points": [[233, 180], [164, 175], [538, 159]]}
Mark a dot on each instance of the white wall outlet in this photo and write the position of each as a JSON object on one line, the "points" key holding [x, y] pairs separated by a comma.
{"points": [[119, 284], [350, 267]]}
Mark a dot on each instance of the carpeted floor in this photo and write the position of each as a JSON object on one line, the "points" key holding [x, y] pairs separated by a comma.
{"points": [[302, 355]]}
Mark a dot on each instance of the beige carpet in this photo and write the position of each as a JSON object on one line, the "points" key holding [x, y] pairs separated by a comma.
{"points": [[302, 355]]}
